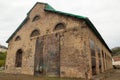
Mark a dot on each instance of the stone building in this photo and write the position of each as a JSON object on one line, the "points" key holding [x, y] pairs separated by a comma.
{"points": [[54, 43]]}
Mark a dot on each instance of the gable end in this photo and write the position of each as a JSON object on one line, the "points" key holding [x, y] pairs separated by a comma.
{"points": [[50, 9]]}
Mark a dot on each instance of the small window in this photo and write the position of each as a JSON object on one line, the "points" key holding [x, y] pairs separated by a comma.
{"points": [[100, 63], [18, 62], [92, 48], [37, 17], [17, 38], [105, 56], [35, 33], [98, 49], [59, 26], [102, 54], [93, 61]]}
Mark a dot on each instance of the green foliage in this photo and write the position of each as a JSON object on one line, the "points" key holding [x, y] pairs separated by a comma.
{"points": [[2, 63], [2, 58], [3, 55]]}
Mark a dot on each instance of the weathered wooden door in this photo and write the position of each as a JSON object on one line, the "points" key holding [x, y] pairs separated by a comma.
{"points": [[47, 57], [52, 56], [39, 64]]}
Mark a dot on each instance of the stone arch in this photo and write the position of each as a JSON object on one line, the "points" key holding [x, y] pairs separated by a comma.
{"points": [[59, 26], [35, 32], [37, 17], [17, 38]]}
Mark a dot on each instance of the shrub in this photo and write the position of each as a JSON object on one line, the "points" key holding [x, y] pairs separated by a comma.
{"points": [[2, 63], [3, 55]]}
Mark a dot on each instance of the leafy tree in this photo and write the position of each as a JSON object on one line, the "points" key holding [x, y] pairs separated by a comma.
{"points": [[2, 58], [2, 63]]}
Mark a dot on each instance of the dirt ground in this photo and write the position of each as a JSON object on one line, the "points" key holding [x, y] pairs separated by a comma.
{"points": [[113, 74], [4, 76]]}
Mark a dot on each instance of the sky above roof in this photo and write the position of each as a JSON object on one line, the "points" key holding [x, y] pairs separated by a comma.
{"points": [[104, 14]]}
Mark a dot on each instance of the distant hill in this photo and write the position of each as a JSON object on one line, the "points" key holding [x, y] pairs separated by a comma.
{"points": [[116, 51]]}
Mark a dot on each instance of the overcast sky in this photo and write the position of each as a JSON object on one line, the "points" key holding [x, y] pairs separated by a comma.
{"points": [[104, 14]]}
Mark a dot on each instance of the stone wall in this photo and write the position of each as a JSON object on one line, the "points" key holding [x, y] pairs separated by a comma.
{"points": [[75, 57], [107, 60], [72, 56], [26, 43], [45, 24]]}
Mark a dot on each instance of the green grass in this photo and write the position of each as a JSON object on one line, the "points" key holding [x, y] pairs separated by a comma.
{"points": [[5, 76], [113, 74]]}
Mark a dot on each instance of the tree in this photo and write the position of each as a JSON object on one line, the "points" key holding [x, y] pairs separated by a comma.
{"points": [[2, 58]]}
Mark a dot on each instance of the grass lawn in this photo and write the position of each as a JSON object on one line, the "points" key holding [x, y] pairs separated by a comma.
{"points": [[113, 74], [4, 76]]}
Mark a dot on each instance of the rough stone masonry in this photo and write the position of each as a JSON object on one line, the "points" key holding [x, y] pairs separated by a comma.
{"points": [[57, 44]]}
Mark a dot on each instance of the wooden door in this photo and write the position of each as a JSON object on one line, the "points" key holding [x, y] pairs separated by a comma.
{"points": [[39, 65], [51, 54]]}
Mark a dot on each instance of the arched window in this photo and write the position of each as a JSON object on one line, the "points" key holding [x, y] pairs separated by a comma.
{"points": [[17, 38], [37, 17], [59, 26], [35, 33], [18, 62]]}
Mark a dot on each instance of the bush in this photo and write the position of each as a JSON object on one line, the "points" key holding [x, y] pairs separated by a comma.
{"points": [[3, 55], [2, 63], [2, 58]]}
